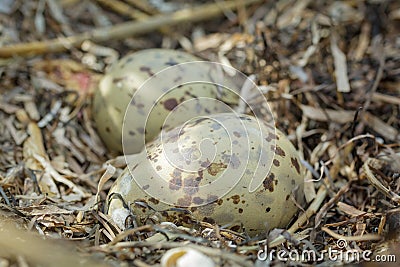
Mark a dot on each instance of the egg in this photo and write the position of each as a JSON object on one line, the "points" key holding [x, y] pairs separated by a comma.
{"points": [[227, 169], [140, 91]]}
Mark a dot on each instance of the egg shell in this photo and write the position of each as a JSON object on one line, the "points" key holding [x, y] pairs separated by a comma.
{"points": [[206, 167], [123, 81], [183, 257]]}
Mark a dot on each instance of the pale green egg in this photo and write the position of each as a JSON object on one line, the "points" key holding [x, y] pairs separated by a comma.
{"points": [[128, 77], [206, 167]]}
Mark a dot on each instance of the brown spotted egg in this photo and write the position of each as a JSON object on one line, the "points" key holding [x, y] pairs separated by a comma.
{"points": [[227, 169], [154, 101]]}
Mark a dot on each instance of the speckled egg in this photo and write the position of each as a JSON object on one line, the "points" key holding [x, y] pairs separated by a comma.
{"points": [[153, 100], [226, 168]]}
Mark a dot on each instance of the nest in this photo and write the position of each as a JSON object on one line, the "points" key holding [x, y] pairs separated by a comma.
{"points": [[330, 71]]}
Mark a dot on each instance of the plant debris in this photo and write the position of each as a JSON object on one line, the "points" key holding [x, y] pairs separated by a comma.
{"points": [[330, 70]]}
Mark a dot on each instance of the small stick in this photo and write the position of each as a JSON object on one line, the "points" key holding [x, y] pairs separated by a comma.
{"points": [[312, 209], [123, 9], [127, 10], [365, 237], [123, 30], [143, 5]]}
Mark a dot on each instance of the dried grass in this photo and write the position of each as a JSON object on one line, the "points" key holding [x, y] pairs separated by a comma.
{"points": [[331, 72]]}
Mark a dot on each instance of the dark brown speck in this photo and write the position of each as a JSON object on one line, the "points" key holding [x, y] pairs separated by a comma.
{"points": [[268, 182], [184, 201], [140, 130], [212, 198], [145, 187], [191, 185], [215, 168], [279, 151], [296, 164], [175, 183], [147, 70], [271, 136], [170, 104], [236, 199], [237, 134], [154, 200], [198, 200]]}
